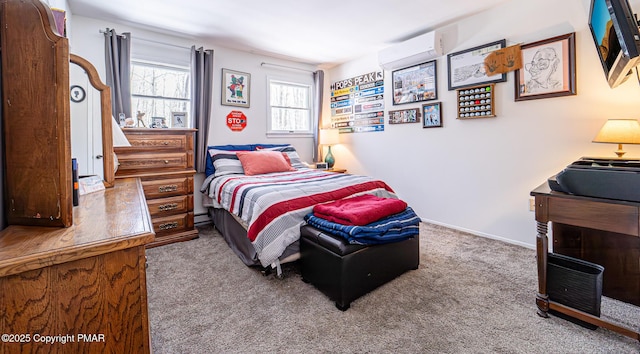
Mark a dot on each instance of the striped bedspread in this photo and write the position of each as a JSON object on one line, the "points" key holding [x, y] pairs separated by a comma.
{"points": [[396, 227], [274, 205]]}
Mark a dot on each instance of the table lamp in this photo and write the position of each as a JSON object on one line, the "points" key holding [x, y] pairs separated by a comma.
{"points": [[619, 131], [329, 137]]}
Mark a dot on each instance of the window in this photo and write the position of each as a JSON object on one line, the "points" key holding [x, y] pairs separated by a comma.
{"points": [[289, 108], [157, 90]]}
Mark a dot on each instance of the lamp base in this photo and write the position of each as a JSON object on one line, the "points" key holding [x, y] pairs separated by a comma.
{"points": [[620, 152], [329, 158]]}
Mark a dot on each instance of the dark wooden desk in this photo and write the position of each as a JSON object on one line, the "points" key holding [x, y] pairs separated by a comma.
{"points": [[602, 231]]}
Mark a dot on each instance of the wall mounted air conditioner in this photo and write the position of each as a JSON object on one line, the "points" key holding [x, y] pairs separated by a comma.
{"points": [[413, 51]]}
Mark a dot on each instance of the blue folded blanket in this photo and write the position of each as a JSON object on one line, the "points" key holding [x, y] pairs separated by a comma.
{"points": [[397, 227]]}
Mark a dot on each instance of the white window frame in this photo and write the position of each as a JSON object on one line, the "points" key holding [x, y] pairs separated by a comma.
{"points": [[168, 67], [293, 82]]}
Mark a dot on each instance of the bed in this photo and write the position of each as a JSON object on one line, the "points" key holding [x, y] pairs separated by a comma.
{"points": [[259, 214]]}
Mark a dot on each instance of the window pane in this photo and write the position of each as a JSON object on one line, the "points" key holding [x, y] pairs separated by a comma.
{"points": [[290, 119], [158, 90], [287, 95], [158, 81], [289, 107]]}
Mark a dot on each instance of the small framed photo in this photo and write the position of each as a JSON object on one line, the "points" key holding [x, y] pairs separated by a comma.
{"points": [[415, 83], [178, 119], [236, 87], [549, 69], [158, 122], [466, 68], [411, 115], [432, 115]]}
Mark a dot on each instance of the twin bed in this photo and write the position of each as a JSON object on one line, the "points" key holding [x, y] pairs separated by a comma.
{"points": [[259, 213]]}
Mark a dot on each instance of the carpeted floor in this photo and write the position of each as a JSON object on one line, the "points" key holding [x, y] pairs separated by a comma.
{"points": [[469, 295]]}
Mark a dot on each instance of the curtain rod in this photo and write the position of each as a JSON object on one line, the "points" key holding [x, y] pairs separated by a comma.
{"points": [[278, 66], [152, 41]]}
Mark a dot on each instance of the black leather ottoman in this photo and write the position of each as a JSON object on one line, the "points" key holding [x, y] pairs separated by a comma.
{"points": [[344, 272]]}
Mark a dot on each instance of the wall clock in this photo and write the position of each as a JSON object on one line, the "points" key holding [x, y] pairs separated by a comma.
{"points": [[77, 93]]}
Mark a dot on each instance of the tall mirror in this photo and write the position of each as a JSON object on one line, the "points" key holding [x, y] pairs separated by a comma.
{"points": [[91, 121]]}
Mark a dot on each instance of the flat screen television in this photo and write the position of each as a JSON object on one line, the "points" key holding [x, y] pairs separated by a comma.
{"points": [[615, 32]]}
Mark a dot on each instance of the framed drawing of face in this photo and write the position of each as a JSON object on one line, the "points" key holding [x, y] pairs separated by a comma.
{"points": [[549, 69]]}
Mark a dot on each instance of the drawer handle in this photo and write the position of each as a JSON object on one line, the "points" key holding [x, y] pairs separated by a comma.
{"points": [[168, 188], [165, 207], [168, 226], [166, 162], [165, 143]]}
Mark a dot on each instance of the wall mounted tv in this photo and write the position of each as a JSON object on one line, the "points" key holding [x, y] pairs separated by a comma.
{"points": [[617, 39]]}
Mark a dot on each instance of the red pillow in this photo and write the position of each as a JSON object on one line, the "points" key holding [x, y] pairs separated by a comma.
{"points": [[263, 161]]}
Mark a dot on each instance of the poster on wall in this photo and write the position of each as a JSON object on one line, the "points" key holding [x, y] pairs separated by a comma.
{"points": [[236, 88], [357, 103], [414, 84]]}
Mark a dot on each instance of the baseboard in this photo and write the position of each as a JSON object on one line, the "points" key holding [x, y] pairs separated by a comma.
{"points": [[481, 234], [200, 219]]}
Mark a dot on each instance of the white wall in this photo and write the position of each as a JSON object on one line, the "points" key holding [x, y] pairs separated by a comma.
{"points": [[476, 175], [88, 42]]}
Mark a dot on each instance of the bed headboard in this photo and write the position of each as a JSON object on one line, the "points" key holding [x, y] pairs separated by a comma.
{"points": [[209, 169]]}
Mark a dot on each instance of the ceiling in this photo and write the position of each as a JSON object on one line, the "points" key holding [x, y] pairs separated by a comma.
{"points": [[322, 33]]}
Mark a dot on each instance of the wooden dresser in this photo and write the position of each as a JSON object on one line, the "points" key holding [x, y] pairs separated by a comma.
{"points": [[163, 159], [84, 286]]}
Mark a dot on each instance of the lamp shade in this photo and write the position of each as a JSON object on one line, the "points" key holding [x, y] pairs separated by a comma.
{"points": [[329, 136], [619, 131]]}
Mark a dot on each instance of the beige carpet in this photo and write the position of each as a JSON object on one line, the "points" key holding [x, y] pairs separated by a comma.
{"points": [[469, 295]]}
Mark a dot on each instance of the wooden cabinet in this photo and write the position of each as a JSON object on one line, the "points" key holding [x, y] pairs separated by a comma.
{"points": [[85, 284], [163, 159], [35, 115]]}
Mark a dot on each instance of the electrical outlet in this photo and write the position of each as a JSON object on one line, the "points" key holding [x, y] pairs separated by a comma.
{"points": [[532, 204]]}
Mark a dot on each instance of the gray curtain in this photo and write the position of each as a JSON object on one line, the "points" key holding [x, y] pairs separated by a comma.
{"points": [[318, 83], [201, 95], [117, 52]]}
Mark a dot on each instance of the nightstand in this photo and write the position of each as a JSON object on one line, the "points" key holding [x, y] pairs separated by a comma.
{"points": [[337, 170]]}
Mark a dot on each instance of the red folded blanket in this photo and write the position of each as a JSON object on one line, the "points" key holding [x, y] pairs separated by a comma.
{"points": [[360, 210]]}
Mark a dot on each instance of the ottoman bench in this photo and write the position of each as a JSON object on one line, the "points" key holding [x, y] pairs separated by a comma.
{"points": [[344, 272]]}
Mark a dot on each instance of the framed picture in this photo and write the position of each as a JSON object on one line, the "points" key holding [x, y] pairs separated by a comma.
{"points": [[415, 83], [549, 69], [411, 115], [178, 119], [236, 87], [158, 122], [432, 115], [466, 68]]}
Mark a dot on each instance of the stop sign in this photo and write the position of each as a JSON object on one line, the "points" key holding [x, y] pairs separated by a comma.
{"points": [[236, 121]]}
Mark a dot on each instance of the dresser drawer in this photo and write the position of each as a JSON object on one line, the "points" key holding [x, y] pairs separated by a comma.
{"points": [[167, 187], [171, 205], [150, 161], [158, 142], [174, 223]]}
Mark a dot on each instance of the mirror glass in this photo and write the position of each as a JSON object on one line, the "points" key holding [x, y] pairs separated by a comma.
{"points": [[91, 126]]}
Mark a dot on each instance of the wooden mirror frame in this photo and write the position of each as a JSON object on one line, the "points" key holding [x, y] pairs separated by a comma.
{"points": [[105, 104]]}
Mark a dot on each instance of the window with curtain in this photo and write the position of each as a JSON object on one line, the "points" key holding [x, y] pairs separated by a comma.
{"points": [[290, 108], [162, 92]]}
